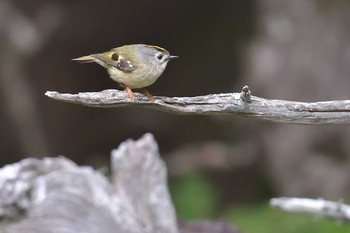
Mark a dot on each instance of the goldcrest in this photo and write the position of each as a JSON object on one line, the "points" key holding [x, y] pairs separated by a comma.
{"points": [[132, 66]]}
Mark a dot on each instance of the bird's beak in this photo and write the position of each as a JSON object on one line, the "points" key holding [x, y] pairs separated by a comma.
{"points": [[171, 57]]}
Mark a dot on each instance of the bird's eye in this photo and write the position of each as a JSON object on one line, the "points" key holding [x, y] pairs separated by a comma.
{"points": [[160, 56]]}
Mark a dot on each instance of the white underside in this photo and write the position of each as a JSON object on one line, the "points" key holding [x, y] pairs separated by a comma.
{"points": [[135, 79]]}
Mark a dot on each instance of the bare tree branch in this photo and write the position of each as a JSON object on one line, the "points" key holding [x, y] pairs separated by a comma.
{"points": [[316, 207], [244, 104]]}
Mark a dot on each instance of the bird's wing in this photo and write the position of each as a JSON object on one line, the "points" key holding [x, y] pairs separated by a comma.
{"points": [[119, 62]]}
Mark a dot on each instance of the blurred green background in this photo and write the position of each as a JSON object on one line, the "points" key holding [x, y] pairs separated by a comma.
{"points": [[220, 167], [197, 197]]}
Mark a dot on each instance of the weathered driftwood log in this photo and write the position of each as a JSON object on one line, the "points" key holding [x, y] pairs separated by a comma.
{"points": [[57, 196], [244, 104], [54, 195]]}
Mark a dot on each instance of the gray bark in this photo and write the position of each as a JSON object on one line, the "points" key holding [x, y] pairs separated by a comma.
{"points": [[54, 195], [243, 104]]}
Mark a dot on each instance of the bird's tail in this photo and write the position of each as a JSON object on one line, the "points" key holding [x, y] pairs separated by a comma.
{"points": [[103, 59], [85, 59]]}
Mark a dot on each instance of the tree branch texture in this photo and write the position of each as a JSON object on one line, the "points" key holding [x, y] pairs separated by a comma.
{"points": [[243, 104]]}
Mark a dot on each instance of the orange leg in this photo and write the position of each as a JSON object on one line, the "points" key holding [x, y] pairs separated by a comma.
{"points": [[130, 93], [151, 97]]}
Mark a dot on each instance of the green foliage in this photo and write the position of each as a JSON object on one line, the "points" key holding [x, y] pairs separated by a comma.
{"points": [[195, 197], [263, 219]]}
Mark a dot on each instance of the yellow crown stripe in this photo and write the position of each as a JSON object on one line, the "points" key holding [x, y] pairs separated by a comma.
{"points": [[155, 47]]}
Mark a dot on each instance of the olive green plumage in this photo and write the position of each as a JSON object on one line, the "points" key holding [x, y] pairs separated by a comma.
{"points": [[133, 66]]}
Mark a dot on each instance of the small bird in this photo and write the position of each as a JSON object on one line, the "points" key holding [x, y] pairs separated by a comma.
{"points": [[132, 66]]}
